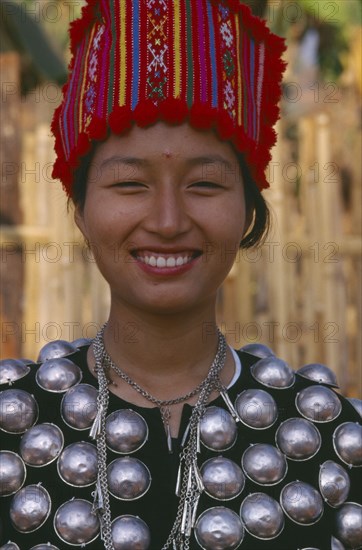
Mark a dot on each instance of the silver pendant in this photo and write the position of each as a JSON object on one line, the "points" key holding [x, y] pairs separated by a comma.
{"points": [[264, 464], [30, 508], [77, 465], [273, 373], [349, 524], [79, 406], [55, 349], [58, 375], [256, 409], [130, 532], [126, 431], [347, 439], [12, 473], [75, 523], [218, 429], [262, 516], [318, 404], [12, 370], [128, 478], [260, 350], [301, 503], [319, 373], [222, 478], [219, 528], [334, 483], [18, 411], [298, 439], [41, 444]]}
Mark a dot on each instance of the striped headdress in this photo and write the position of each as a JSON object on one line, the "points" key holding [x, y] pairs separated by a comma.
{"points": [[211, 63]]}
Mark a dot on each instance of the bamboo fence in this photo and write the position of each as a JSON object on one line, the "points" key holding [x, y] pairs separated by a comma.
{"points": [[299, 293]]}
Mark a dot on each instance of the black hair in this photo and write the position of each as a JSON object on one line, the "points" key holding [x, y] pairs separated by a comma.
{"points": [[257, 210]]}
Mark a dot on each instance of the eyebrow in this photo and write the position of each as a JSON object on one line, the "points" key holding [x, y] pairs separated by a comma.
{"points": [[191, 161]]}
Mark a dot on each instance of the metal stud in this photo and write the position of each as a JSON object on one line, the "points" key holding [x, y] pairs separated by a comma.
{"points": [[218, 429], [30, 508], [10, 546], [301, 503], [264, 464], [357, 404], [41, 444], [222, 478], [77, 465], [130, 532], [12, 473], [334, 483], [45, 546], [75, 523], [273, 373], [80, 342], [79, 406], [54, 349], [336, 544], [256, 409], [12, 370], [58, 375], [262, 516], [347, 439], [318, 404], [349, 524], [219, 528], [128, 478], [18, 411], [260, 350], [126, 431], [319, 373], [298, 439]]}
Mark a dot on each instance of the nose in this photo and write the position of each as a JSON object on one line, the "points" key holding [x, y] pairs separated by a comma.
{"points": [[168, 214]]}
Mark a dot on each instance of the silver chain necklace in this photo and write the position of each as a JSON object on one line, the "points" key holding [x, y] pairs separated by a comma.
{"points": [[189, 482]]}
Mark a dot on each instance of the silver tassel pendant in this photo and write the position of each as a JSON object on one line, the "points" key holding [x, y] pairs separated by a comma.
{"points": [[229, 405], [98, 504], [96, 428]]}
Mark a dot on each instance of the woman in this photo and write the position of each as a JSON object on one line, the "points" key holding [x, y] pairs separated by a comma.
{"points": [[157, 434]]}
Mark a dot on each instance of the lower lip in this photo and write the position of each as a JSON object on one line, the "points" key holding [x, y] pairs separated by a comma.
{"points": [[177, 270]]}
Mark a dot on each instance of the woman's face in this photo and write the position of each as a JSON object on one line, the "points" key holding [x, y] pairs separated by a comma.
{"points": [[164, 215]]}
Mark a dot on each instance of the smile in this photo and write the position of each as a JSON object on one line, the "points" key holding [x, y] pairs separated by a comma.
{"points": [[160, 260]]}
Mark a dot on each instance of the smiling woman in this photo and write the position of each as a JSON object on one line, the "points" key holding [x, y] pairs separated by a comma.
{"points": [[171, 439]]}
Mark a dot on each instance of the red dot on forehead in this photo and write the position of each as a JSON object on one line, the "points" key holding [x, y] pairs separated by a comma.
{"points": [[167, 154]]}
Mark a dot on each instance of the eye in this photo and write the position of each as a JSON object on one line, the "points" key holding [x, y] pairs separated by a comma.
{"points": [[207, 184], [128, 184]]}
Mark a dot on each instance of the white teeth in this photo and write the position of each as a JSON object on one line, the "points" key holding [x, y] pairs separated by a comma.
{"points": [[160, 261]]}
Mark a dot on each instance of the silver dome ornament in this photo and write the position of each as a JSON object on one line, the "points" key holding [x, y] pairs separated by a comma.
{"points": [[256, 409], [79, 406], [298, 439], [347, 439], [77, 465], [18, 411], [130, 533], [41, 444], [126, 431], [334, 483], [128, 478], [349, 524], [318, 404], [223, 479], [262, 516], [219, 528], [260, 350], [301, 502], [45, 546], [319, 373], [357, 404], [10, 546], [264, 464], [12, 370], [55, 349], [80, 342], [12, 473], [336, 544], [58, 375], [218, 429], [30, 508], [273, 373], [75, 523]]}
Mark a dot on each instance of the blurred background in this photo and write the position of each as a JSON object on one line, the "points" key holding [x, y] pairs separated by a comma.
{"points": [[300, 293]]}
